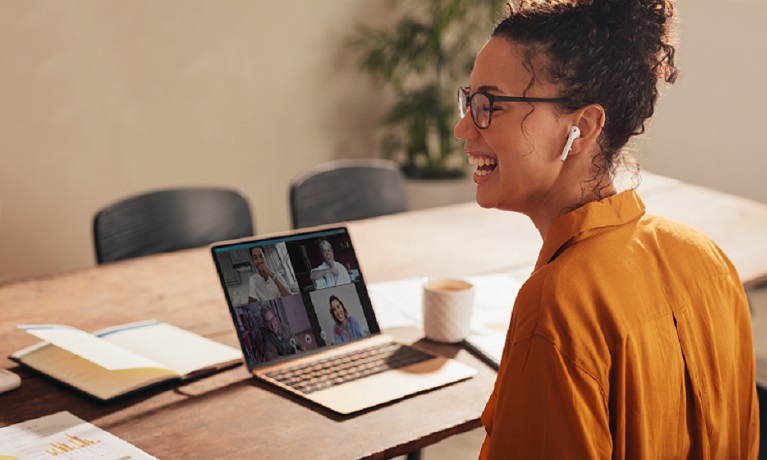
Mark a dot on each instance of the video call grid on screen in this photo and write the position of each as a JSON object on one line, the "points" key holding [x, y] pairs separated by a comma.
{"points": [[306, 314]]}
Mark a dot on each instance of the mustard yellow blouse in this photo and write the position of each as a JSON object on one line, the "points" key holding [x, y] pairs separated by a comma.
{"points": [[631, 339]]}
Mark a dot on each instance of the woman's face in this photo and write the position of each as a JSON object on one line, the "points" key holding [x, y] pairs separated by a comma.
{"points": [[338, 311], [327, 252], [519, 152]]}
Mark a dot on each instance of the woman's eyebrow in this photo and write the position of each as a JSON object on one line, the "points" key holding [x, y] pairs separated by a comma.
{"points": [[488, 88]]}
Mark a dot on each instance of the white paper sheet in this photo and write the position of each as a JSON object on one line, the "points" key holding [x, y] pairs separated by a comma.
{"points": [[63, 435], [398, 303]]}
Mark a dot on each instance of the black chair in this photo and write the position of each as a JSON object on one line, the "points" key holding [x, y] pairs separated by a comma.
{"points": [[170, 220], [346, 190]]}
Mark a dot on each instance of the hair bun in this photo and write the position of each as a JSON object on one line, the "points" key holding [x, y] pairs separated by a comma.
{"points": [[606, 52], [644, 23]]}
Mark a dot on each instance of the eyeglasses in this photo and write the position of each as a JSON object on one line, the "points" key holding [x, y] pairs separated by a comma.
{"points": [[481, 104]]}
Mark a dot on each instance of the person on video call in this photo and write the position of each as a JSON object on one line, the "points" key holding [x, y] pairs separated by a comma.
{"points": [[276, 336], [346, 327], [329, 273], [265, 284], [632, 336], [256, 344]]}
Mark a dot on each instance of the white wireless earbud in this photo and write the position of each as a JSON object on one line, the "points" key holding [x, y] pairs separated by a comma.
{"points": [[575, 133]]}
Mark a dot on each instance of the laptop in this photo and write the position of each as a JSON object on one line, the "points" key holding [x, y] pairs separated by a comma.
{"points": [[306, 324]]}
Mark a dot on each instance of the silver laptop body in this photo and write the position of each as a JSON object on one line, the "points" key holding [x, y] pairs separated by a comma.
{"points": [[306, 324]]}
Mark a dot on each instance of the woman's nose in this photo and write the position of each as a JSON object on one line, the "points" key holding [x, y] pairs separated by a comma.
{"points": [[465, 128]]}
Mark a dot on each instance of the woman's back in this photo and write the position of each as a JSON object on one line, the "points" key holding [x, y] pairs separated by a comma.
{"points": [[647, 325]]}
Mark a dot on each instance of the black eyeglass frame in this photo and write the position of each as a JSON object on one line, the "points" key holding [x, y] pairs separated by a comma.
{"points": [[463, 95]]}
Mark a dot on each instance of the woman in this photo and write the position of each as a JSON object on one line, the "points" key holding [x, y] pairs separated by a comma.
{"points": [[346, 327], [632, 336], [329, 273]]}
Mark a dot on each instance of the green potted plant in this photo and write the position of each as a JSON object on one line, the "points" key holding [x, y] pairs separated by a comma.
{"points": [[422, 58]]}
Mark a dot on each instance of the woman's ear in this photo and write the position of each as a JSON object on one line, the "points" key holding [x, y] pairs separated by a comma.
{"points": [[590, 120]]}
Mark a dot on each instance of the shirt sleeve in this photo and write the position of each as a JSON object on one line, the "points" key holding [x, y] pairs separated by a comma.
{"points": [[281, 279], [320, 282], [355, 328], [546, 406], [343, 275]]}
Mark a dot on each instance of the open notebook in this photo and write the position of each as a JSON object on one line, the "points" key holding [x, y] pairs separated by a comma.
{"points": [[306, 324]]}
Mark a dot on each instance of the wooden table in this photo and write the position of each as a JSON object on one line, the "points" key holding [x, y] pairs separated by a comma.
{"points": [[230, 415], [227, 415]]}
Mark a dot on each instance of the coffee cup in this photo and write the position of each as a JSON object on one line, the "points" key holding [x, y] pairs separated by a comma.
{"points": [[447, 307]]}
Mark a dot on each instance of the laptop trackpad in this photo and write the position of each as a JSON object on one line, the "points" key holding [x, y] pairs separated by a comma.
{"points": [[392, 385]]}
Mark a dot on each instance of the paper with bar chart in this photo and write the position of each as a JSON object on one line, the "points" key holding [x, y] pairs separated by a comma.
{"points": [[63, 436]]}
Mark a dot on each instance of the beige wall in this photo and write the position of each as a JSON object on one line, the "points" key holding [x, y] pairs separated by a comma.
{"points": [[710, 127], [100, 99]]}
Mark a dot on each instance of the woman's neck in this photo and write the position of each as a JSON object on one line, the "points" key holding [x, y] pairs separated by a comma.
{"points": [[578, 195]]}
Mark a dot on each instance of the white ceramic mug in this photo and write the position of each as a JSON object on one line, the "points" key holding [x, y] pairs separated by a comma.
{"points": [[447, 307]]}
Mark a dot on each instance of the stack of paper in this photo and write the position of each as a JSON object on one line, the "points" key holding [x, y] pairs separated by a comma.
{"points": [[399, 303]]}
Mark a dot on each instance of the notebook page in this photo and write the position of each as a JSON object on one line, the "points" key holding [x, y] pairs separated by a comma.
{"points": [[174, 348], [90, 347]]}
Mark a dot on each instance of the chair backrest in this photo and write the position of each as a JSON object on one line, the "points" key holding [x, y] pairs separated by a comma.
{"points": [[170, 220], [346, 190]]}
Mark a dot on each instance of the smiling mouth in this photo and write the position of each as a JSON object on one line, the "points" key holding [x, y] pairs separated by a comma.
{"points": [[485, 165]]}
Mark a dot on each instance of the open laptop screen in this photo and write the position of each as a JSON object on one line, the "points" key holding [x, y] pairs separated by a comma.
{"points": [[294, 294]]}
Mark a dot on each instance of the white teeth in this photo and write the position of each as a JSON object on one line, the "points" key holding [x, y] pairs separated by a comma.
{"points": [[477, 160], [480, 161]]}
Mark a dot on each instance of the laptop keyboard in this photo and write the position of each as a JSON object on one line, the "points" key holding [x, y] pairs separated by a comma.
{"points": [[326, 373]]}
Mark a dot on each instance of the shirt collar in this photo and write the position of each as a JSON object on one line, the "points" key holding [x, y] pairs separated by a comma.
{"points": [[588, 220]]}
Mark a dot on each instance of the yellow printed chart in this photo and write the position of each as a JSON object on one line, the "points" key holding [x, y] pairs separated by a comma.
{"points": [[66, 437]]}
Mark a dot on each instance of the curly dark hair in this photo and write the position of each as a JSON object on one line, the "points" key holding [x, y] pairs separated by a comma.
{"points": [[606, 52]]}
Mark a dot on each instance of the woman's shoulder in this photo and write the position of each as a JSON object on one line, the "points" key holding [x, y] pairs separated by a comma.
{"points": [[675, 241], [622, 277], [658, 223]]}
